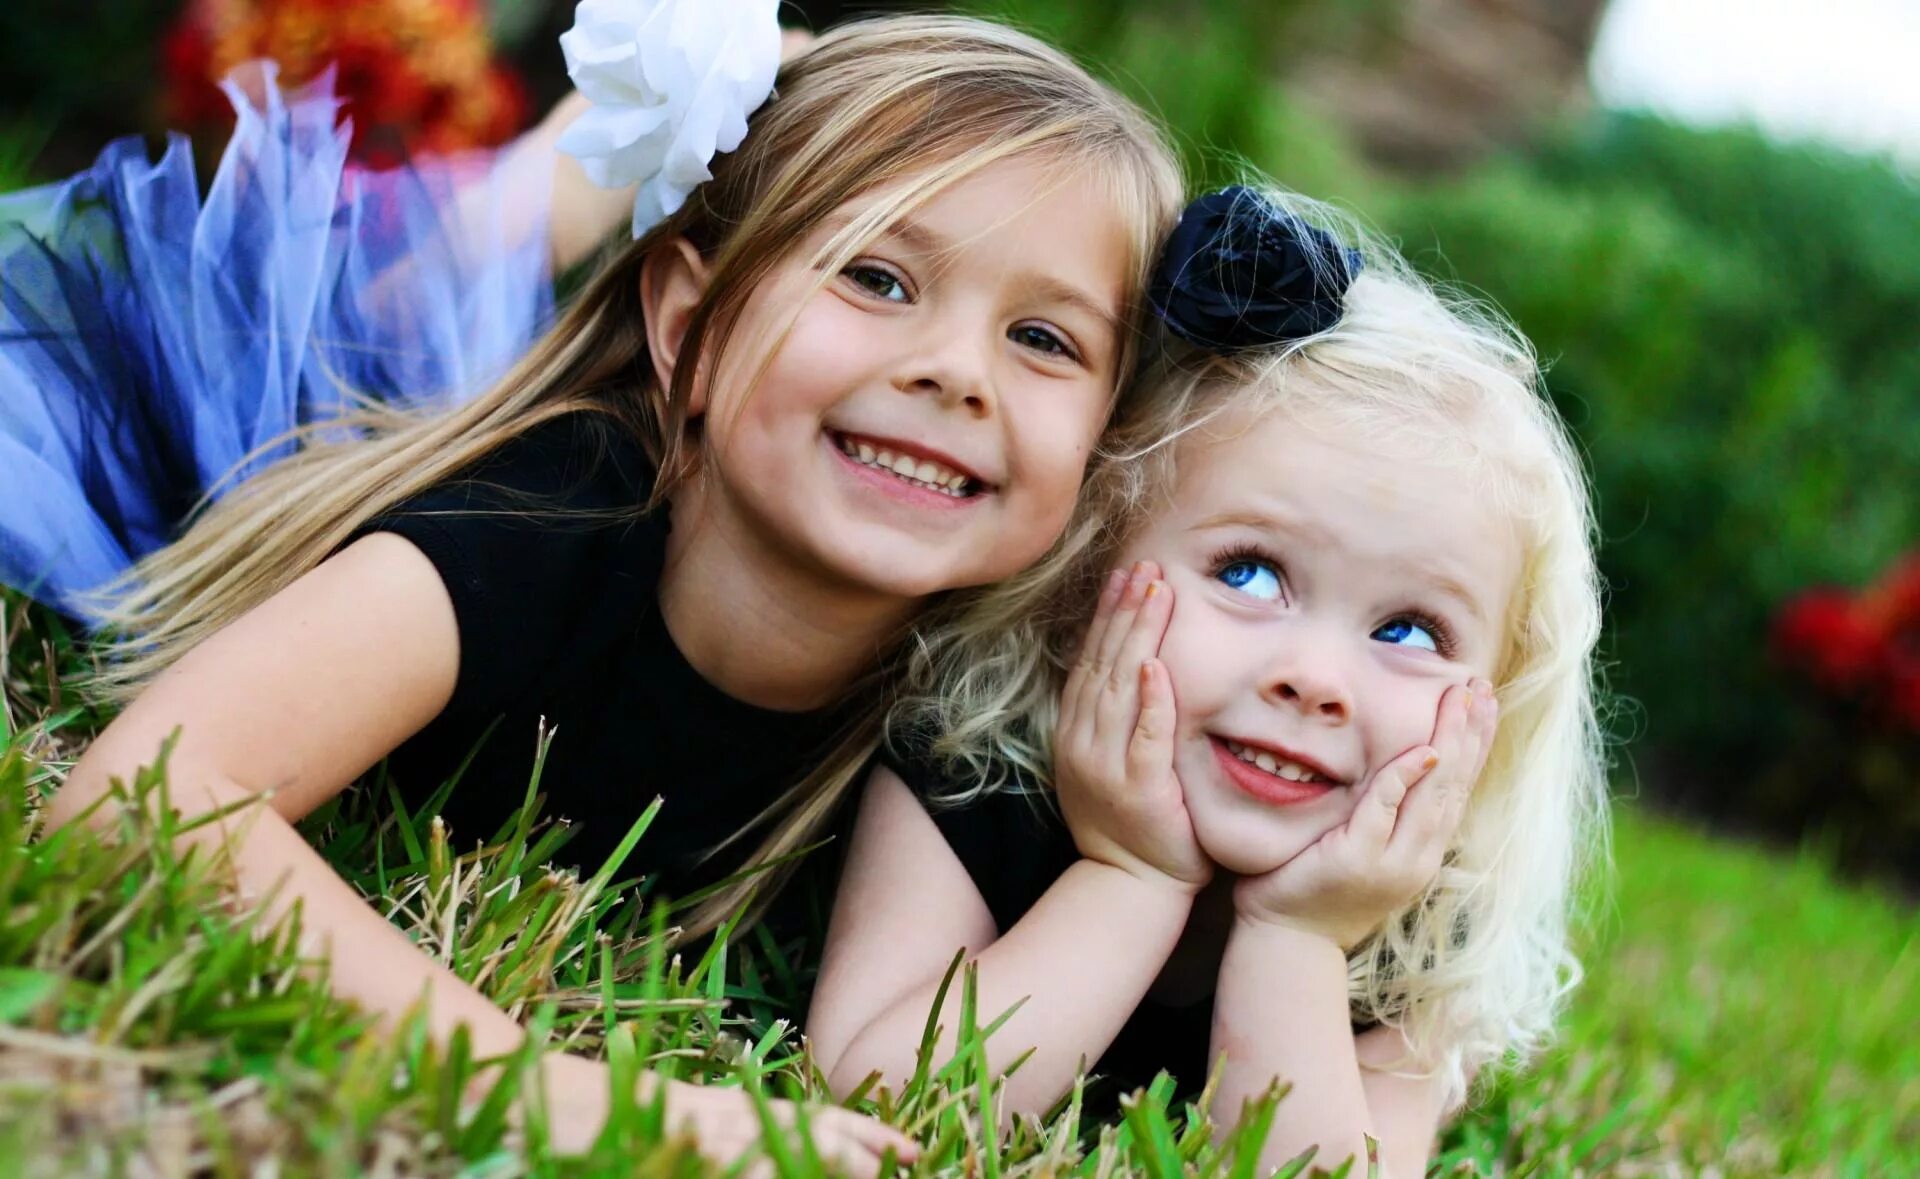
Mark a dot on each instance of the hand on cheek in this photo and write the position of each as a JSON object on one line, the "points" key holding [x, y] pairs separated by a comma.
{"points": [[1113, 744], [1344, 884]]}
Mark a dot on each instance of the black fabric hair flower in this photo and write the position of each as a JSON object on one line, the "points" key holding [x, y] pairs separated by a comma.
{"points": [[1238, 273]]}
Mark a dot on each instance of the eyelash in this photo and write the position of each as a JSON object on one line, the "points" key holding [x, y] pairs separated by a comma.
{"points": [[1243, 551], [1060, 349], [1443, 640]]}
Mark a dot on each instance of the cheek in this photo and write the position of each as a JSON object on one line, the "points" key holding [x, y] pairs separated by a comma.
{"points": [[1201, 655], [776, 361], [1404, 713], [1052, 437]]}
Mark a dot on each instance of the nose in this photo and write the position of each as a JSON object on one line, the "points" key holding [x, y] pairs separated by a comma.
{"points": [[1307, 677], [951, 365]]}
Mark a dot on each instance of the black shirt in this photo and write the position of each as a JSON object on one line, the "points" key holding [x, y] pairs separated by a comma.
{"points": [[554, 574]]}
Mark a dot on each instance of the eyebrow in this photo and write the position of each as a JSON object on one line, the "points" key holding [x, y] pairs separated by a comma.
{"points": [[1439, 580]]}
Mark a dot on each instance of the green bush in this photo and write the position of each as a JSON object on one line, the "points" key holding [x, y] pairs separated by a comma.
{"points": [[1728, 326]]}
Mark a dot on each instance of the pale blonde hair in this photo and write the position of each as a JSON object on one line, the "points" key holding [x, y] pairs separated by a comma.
{"points": [[910, 105], [1476, 968]]}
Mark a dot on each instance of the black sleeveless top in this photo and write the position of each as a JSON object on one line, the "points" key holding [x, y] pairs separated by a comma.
{"points": [[554, 575]]}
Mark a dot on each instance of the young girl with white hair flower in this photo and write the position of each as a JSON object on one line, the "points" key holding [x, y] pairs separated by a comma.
{"points": [[857, 371]]}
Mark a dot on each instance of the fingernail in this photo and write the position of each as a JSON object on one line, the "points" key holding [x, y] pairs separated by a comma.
{"points": [[1430, 761], [1153, 587]]}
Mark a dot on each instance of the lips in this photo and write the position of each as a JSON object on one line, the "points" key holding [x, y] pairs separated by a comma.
{"points": [[1271, 774], [912, 463]]}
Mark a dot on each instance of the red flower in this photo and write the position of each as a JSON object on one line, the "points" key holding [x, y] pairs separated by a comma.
{"points": [[1823, 634], [414, 75]]}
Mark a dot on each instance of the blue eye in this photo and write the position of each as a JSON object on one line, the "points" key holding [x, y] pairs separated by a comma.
{"points": [[1256, 579], [1405, 632], [882, 284]]}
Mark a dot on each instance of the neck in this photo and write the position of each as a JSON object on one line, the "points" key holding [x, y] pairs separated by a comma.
{"points": [[760, 625]]}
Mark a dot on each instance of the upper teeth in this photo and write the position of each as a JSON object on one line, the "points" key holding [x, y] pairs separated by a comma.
{"points": [[1292, 771], [925, 472]]}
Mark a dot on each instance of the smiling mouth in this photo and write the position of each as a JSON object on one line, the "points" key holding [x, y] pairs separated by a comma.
{"points": [[1277, 765], [914, 470]]}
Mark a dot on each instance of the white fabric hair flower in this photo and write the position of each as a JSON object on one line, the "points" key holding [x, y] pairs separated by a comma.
{"points": [[672, 83]]}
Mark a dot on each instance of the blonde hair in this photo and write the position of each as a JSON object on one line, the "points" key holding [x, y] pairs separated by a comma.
{"points": [[913, 104], [1476, 968]]}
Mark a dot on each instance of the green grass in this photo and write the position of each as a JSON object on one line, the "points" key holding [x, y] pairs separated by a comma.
{"points": [[1742, 1013]]}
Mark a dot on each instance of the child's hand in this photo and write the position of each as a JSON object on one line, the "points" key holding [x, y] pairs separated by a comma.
{"points": [[1344, 884], [1113, 745], [723, 1122]]}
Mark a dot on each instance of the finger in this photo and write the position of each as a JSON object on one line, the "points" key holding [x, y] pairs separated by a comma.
{"points": [[1452, 723], [1486, 724], [875, 1134], [1142, 640], [1074, 695], [1110, 590], [1378, 811], [1151, 747], [1119, 702], [1423, 812], [1122, 620]]}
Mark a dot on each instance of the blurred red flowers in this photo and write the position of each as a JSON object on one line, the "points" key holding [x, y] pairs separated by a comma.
{"points": [[417, 75], [1860, 649]]}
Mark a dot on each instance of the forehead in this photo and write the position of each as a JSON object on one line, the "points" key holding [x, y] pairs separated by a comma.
{"points": [[1035, 215]]}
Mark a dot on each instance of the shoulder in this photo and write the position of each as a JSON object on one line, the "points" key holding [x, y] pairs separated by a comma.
{"points": [[539, 542]]}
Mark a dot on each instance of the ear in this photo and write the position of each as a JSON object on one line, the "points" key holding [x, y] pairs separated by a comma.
{"points": [[673, 280]]}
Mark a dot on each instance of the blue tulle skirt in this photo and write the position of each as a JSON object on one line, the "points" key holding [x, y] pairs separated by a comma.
{"points": [[152, 342]]}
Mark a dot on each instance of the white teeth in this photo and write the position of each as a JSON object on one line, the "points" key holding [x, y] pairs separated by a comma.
{"points": [[922, 472], [1291, 771]]}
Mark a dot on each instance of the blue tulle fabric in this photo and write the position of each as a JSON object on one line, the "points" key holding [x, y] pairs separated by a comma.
{"points": [[152, 343]]}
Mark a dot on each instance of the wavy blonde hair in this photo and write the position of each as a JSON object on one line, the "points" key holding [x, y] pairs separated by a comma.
{"points": [[1476, 968], [911, 105]]}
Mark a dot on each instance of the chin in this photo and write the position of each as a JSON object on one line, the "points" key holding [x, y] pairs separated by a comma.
{"points": [[1250, 845]]}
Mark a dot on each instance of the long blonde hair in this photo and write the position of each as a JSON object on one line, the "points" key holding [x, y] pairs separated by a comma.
{"points": [[913, 104], [1475, 968]]}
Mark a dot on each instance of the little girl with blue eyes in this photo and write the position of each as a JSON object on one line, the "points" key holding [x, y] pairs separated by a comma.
{"points": [[1295, 793]]}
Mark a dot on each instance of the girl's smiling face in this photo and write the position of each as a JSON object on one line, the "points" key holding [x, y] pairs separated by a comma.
{"points": [[924, 421], [1324, 598]]}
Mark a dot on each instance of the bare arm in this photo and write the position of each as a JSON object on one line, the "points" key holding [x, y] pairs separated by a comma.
{"points": [[294, 701], [300, 697], [1281, 1015], [1082, 958]]}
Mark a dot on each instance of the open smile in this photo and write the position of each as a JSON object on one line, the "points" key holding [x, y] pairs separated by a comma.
{"points": [[908, 465], [1271, 775]]}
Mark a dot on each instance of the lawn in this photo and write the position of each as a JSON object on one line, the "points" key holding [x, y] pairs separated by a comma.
{"points": [[1743, 1014]]}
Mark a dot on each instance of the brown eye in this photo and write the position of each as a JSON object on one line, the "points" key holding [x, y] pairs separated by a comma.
{"points": [[1040, 340], [878, 282]]}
